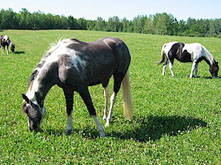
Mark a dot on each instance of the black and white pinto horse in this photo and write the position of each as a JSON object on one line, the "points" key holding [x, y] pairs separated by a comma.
{"points": [[6, 42], [194, 52], [74, 65]]}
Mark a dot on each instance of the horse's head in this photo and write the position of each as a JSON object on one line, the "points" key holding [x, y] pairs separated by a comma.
{"points": [[12, 48], [214, 69], [34, 112]]}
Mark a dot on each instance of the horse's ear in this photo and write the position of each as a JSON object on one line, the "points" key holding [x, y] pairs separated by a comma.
{"points": [[26, 98]]}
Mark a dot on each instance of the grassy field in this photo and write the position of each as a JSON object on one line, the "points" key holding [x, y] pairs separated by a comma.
{"points": [[176, 119]]}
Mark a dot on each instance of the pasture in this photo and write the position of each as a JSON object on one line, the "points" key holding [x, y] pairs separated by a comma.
{"points": [[176, 119]]}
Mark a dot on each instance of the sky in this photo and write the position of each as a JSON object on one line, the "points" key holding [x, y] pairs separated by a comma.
{"points": [[91, 9]]}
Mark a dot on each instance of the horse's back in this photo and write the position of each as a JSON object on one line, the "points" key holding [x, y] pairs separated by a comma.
{"points": [[195, 49], [92, 62], [167, 46]]}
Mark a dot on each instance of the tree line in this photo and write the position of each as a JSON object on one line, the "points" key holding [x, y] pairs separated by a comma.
{"points": [[159, 23]]}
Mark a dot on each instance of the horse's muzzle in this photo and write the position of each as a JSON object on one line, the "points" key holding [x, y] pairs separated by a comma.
{"points": [[215, 76], [36, 129]]}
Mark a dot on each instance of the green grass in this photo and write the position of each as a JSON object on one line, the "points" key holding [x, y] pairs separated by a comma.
{"points": [[176, 120]]}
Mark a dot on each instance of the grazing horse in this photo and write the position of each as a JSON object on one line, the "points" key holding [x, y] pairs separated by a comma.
{"points": [[194, 52], [74, 65], [6, 42]]}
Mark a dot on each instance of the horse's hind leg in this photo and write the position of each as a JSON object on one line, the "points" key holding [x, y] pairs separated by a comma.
{"points": [[69, 108], [117, 82], [171, 67], [85, 95], [106, 95], [164, 67], [112, 100]]}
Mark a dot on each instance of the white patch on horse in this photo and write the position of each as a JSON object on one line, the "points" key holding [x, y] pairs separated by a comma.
{"points": [[112, 100], [69, 123], [76, 61], [109, 40], [55, 53], [99, 126], [5, 38], [197, 51]]}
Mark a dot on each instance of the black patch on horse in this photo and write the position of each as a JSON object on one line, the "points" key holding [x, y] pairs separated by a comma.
{"points": [[185, 56], [203, 58], [177, 52]]}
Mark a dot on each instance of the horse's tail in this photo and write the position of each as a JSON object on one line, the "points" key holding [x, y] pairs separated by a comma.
{"points": [[128, 106], [162, 55]]}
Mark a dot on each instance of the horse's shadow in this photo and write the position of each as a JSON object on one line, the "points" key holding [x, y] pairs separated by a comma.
{"points": [[154, 127], [19, 52], [205, 77], [200, 77], [144, 128]]}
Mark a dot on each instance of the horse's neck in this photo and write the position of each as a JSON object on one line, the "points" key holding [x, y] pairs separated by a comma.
{"points": [[208, 56], [39, 89], [10, 43]]}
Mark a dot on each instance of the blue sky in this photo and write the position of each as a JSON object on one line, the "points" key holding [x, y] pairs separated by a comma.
{"points": [[91, 9]]}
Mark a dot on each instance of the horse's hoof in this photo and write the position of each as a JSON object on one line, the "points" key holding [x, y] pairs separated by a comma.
{"points": [[107, 124], [102, 134], [104, 117], [68, 132]]}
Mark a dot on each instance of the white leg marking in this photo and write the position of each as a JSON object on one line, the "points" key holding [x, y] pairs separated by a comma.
{"points": [[171, 68], [193, 68], [69, 123], [99, 126], [113, 97], [164, 69], [106, 94]]}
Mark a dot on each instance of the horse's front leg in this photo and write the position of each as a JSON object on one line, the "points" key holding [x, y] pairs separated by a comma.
{"points": [[7, 50], [106, 95], [85, 95], [193, 68], [3, 48], [69, 108], [196, 70]]}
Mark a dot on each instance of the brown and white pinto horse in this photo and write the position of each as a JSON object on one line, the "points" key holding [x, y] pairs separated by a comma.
{"points": [[74, 65], [194, 52], [6, 42]]}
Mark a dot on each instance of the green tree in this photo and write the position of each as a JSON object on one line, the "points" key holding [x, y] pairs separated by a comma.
{"points": [[114, 24], [164, 24], [148, 27], [8, 19], [100, 24], [82, 23]]}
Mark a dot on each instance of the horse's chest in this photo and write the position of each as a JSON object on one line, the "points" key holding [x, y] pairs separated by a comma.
{"points": [[184, 56]]}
